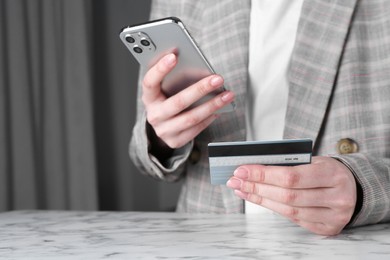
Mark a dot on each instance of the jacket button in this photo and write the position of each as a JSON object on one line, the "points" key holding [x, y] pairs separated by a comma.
{"points": [[346, 146], [195, 155]]}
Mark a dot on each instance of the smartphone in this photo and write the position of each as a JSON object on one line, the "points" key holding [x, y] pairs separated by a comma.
{"points": [[150, 41]]}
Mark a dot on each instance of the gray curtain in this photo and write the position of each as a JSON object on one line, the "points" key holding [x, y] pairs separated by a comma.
{"points": [[121, 186], [67, 107], [47, 151]]}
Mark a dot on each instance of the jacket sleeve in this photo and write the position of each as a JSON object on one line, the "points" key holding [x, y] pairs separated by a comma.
{"points": [[139, 148], [139, 151], [373, 175]]}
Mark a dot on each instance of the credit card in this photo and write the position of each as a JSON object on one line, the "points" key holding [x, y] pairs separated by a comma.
{"points": [[225, 157]]}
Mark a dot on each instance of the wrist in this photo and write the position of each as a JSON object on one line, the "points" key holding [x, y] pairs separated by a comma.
{"points": [[157, 147]]}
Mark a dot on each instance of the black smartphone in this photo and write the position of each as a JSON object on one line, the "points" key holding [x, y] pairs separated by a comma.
{"points": [[150, 41]]}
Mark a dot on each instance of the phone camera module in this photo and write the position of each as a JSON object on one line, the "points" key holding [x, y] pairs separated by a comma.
{"points": [[129, 39], [137, 49], [145, 42]]}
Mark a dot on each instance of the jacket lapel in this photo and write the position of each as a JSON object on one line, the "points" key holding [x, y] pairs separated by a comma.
{"points": [[322, 32], [225, 41]]}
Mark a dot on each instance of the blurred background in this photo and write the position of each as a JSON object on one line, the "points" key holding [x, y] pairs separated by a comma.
{"points": [[67, 108]]}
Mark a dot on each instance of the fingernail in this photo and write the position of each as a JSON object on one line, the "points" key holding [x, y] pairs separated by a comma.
{"points": [[241, 173], [170, 59], [227, 96], [216, 81], [242, 195], [234, 183]]}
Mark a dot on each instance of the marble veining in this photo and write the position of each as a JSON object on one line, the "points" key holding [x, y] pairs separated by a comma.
{"points": [[153, 235]]}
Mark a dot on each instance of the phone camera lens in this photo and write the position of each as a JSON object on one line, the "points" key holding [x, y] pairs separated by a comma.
{"points": [[130, 39], [137, 49], [145, 42]]}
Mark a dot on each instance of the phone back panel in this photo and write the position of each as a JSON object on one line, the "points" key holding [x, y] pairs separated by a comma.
{"points": [[149, 42]]}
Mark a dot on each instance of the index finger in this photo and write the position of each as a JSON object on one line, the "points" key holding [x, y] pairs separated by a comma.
{"points": [[151, 84], [293, 177]]}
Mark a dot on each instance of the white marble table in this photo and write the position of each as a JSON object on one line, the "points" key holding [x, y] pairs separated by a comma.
{"points": [[136, 235]]}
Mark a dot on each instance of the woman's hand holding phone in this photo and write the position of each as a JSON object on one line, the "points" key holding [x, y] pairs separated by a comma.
{"points": [[170, 118], [181, 91]]}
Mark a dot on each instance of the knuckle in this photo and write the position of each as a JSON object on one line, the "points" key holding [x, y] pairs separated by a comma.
{"points": [[204, 88], [170, 143], [292, 179], [289, 197], [179, 103], [153, 119], [256, 188], [258, 174], [144, 100], [203, 124], [343, 219], [342, 178], [216, 104], [257, 199], [161, 68], [190, 121], [146, 83], [345, 203], [174, 143], [160, 132], [331, 231], [292, 212], [249, 187], [337, 178]]}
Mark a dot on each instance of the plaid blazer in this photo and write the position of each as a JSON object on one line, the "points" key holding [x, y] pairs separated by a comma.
{"points": [[339, 78]]}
